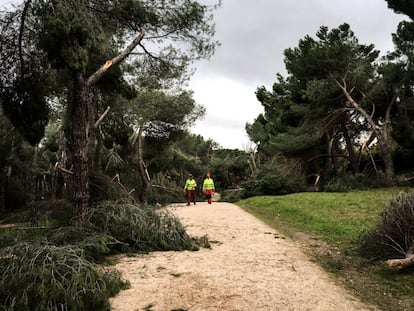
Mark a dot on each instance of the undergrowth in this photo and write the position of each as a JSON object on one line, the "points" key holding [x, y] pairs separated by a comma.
{"points": [[55, 268]]}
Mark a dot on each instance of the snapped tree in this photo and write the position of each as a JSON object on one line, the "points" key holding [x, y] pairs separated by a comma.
{"points": [[66, 40], [336, 90]]}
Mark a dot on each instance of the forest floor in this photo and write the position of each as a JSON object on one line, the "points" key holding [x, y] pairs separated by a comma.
{"points": [[249, 267]]}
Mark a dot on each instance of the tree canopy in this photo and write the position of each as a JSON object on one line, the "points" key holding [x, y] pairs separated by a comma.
{"points": [[62, 50], [338, 99]]}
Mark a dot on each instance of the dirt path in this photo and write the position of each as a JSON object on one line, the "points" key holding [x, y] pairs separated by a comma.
{"points": [[250, 267]]}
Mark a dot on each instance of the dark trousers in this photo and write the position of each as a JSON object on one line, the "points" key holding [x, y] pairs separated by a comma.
{"points": [[191, 196], [208, 195]]}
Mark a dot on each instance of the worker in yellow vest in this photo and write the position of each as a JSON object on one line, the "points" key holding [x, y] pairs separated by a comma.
{"points": [[208, 187], [190, 189]]}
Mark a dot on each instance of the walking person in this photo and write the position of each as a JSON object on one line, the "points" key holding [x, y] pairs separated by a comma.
{"points": [[208, 187], [190, 189]]}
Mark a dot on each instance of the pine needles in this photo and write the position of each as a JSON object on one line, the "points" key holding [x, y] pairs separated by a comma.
{"points": [[142, 229], [55, 268], [47, 277]]}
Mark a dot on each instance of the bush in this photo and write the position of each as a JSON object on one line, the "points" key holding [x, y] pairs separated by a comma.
{"points": [[232, 195], [394, 233], [348, 182], [46, 277], [273, 179]]}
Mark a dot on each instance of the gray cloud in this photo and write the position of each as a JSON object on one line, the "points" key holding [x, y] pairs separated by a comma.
{"points": [[254, 35]]}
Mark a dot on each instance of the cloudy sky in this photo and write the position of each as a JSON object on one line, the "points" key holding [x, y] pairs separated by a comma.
{"points": [[253, 36]]}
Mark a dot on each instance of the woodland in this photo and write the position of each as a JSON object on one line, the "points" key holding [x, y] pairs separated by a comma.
{"points": [[95, 123]]}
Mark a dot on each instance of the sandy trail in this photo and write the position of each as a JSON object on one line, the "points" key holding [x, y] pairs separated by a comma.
{"points": [[250, 267]]}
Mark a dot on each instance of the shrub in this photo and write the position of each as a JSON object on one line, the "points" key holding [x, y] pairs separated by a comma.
{"points": [[275, 178], [46, 277], [348, 182], [232, 195], [393, 235]]}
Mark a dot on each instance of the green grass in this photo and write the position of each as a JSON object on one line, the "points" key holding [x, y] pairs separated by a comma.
{"points": [[338, 218], [330, 224]]}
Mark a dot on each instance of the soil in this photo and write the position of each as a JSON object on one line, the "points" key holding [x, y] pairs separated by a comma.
{"points": [[249, 267]]}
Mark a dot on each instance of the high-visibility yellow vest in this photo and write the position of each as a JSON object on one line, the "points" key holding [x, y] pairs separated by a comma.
{"points": [[208, 184], [190, 184]]}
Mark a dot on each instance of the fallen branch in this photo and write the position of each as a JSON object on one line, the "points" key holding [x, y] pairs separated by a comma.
{"points": [[166, 188], [62, 169], [102, 117], [118, 181], [399, 264]]}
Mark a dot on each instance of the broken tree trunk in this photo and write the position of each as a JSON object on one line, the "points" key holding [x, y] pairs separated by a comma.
{"points": [[79, 114], [399, 264]]}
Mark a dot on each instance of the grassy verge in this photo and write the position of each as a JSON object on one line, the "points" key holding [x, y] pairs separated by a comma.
{"points": [[329, 225]]}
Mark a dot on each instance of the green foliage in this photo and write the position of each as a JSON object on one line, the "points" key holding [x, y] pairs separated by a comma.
{"points": [[68, 37], [402, 6], [103, 188], [393, 235], [23, 79], [54, 211], [307, 116], [46, 277], [142, 229], [279, 177], [232, 195], [53, 269], [348, 182], [229, 168]]}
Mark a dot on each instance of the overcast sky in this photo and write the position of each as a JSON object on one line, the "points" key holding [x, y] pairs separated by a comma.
{"points": [[253, 36]]}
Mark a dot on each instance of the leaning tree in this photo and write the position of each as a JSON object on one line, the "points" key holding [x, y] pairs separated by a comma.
{"points": [[338, 87], [77, 43]]}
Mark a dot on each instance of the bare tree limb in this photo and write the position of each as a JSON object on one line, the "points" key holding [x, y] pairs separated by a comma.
{"points": [[102, 117], [393, 101], [62, 169], [116, 60], [356, 106], [401, 263]]}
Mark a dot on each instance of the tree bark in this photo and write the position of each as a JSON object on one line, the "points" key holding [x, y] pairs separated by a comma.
{"points": [[116, 60], [403, 263], [80, 150], [80, 102], [353, 159], [142, 169], [3, 187], [31, 192], [91, 130]]}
